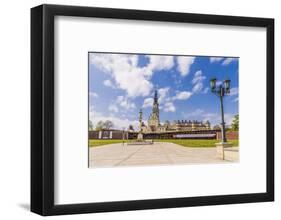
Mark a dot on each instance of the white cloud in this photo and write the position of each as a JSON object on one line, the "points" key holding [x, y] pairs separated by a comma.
{"points": [[197, 87], [169, 107], [228, 61], [198, 77], [182, 95], [119, 123], [198, 112], [206, 90], [219, 82], [165, 101], [133, 59], [108, 83], [191, 115], [93, 95], [113, 108], [215, 118], [157, 62], [225, 62], [215, 59], [184, 64], [127, 75], [228, 118], [197, 81], [234, 91], [148, 102], [125, 103], [162, 93]]}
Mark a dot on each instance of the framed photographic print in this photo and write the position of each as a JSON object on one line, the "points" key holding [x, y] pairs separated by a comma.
{"points": [[136, 109]]}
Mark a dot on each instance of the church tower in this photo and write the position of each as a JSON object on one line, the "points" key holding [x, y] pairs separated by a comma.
{"points": [[153, 120]]}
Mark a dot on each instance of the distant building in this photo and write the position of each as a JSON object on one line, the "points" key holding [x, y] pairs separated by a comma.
{"points": [[154, 125]]}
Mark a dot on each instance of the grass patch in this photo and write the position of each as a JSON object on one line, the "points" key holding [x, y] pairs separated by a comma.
{"points": [[182, 142], [96, 143], [196, 142]]}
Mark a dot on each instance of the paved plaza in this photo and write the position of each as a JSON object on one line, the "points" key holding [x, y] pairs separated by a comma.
{"points": [[160, 153]]}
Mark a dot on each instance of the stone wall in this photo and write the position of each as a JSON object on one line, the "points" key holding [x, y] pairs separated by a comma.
{"points": [[118, 134], [107, 134], [230, 135]]}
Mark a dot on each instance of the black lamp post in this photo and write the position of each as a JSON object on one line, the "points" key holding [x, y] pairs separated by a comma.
{"points": [[221, 91]]}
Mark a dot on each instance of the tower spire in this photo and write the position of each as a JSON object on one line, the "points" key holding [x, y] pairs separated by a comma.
{"points": [[154, 121], [155, 108], [155, 97]]}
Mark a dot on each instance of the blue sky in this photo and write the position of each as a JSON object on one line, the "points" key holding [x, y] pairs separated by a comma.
{"points": [[122, 84]]}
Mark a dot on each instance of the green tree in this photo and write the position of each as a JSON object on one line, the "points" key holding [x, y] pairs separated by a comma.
{"points": [[99, 126], [217, 127], [91, 127], [235, 123], [108, 124], [104, 125], [131, 128]]}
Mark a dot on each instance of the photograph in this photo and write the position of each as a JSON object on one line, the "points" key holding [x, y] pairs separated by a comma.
{"points": [[162, 109], [136, 109]]}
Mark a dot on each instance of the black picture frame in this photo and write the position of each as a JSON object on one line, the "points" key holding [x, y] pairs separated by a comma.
{"points": [[42, 109]]}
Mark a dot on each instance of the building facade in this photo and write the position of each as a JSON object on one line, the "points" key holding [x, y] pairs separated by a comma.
{"points": [[154, 125]]}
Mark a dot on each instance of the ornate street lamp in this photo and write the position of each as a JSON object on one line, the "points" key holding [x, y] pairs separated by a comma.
{"points": [[221, 90], [227, 85], [213, 84]]}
